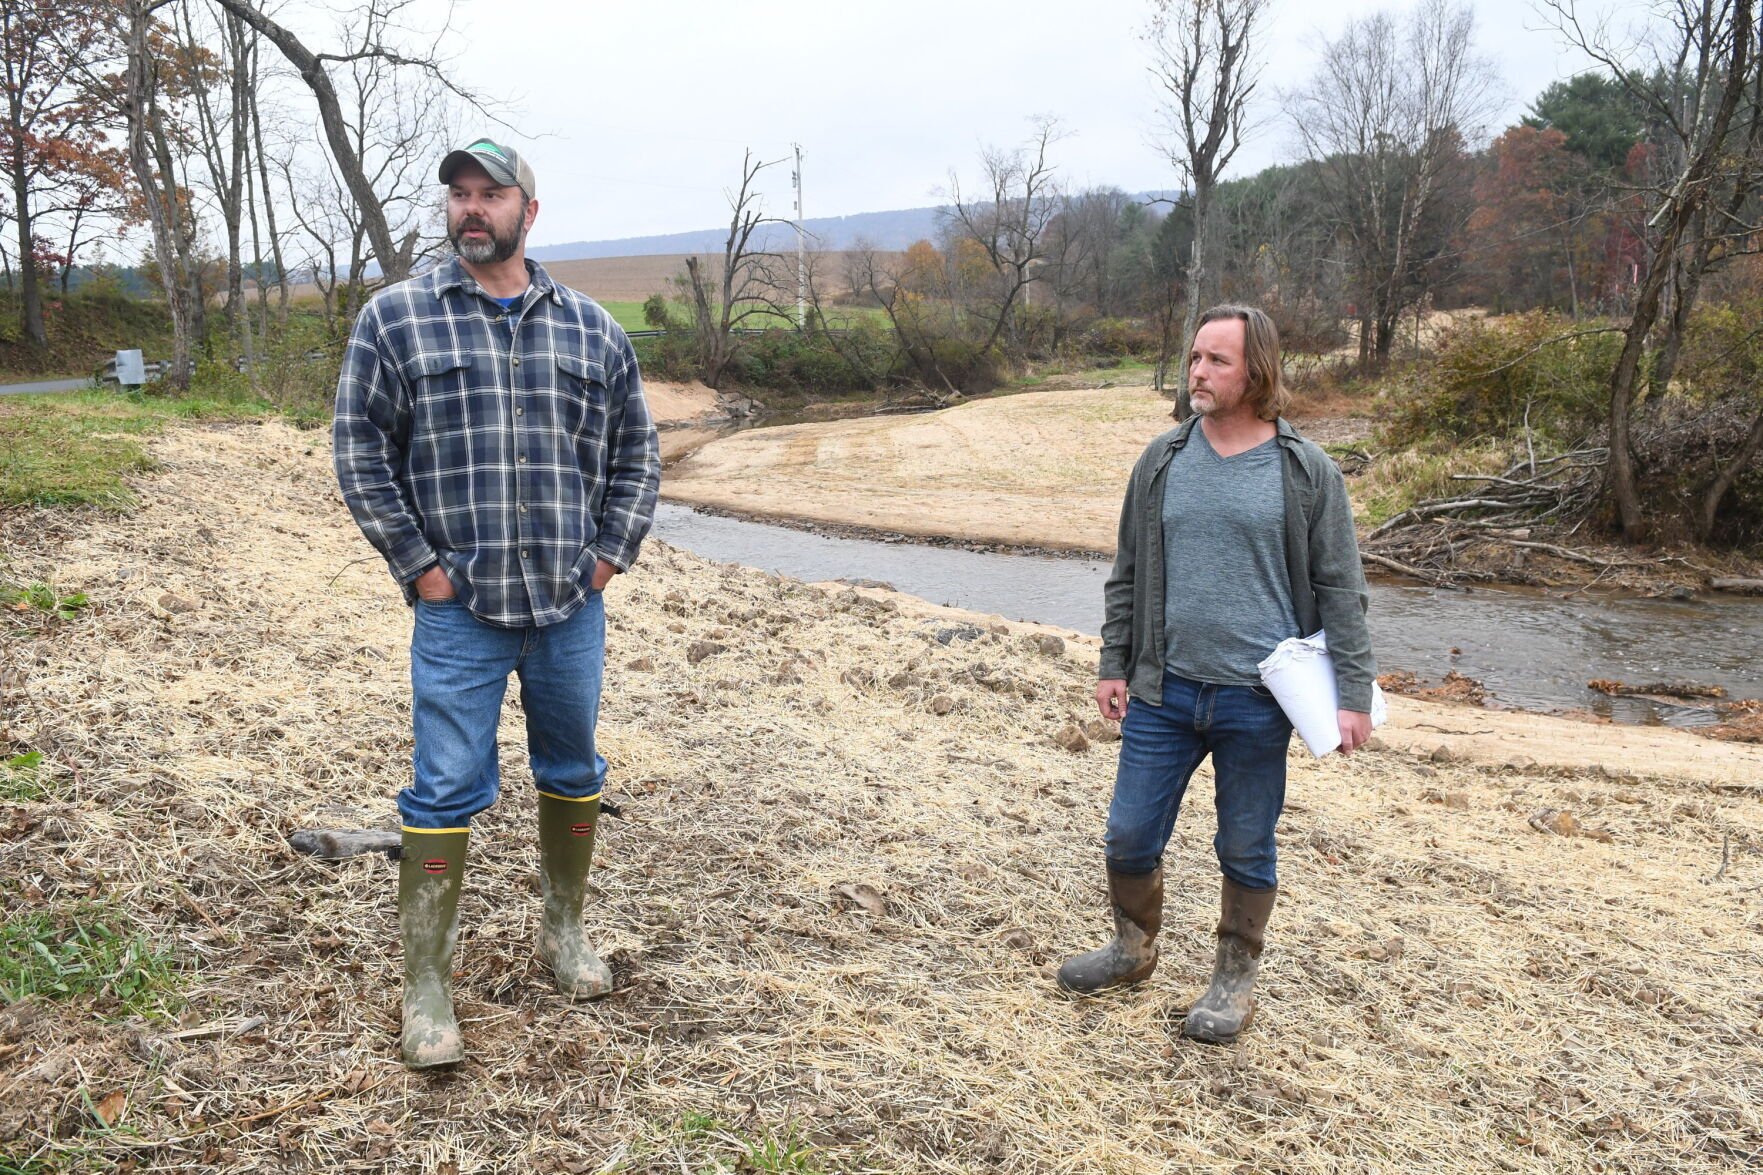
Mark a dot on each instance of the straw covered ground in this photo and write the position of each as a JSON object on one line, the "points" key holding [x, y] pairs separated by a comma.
{"points": [[854, 840]]}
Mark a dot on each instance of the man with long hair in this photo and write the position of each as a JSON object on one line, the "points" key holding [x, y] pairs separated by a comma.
{"points": [[1236, 534]]}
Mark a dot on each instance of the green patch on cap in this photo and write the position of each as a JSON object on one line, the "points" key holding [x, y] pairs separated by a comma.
{"points": [[486, 145]]}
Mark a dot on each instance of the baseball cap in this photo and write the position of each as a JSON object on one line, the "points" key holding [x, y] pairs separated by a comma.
{"points": [[504, 164]]}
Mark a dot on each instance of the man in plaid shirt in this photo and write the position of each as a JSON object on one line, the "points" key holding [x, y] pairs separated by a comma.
{"points": [[492, 442]]}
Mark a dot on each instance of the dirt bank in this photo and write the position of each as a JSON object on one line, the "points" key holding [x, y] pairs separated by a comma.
{"points": [[852, 847], [1042, 469]]}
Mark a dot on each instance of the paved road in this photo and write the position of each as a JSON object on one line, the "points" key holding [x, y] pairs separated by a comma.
{"points": [[48, 385]]}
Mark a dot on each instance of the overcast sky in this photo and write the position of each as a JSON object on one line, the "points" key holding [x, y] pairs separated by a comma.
{"points": [[635, 115]]}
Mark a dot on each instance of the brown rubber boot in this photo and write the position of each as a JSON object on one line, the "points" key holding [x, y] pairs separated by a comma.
{"points": [[430, 872], [1137, 901], [566, 850], [1229, 1003]]}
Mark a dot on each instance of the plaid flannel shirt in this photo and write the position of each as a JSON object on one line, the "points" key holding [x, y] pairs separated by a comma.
{"points": [[511, 448]]}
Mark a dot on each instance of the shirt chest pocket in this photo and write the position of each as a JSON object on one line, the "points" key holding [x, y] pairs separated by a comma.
{"points": [[581, 395], [442, 391]]}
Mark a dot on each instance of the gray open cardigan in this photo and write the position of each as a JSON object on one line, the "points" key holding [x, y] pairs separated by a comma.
{"points": [[1322, 558]]}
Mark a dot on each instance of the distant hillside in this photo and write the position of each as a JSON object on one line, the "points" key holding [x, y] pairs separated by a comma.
{"points": [[891, 231]]}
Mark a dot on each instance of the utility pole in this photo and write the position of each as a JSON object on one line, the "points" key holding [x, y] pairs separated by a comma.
{"points": [[801, 254]]}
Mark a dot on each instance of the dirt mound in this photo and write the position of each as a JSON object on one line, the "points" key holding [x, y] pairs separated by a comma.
{"points": [[852, 847]]}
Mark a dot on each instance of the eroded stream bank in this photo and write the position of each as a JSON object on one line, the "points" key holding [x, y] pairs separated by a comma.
{"points": [[1531, 649]]}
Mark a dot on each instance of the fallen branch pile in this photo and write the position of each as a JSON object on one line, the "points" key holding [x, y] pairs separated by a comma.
{"points": [[1427, 541]]}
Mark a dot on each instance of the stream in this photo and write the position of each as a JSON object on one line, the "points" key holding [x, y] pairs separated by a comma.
{"points": [[1531, 649]]}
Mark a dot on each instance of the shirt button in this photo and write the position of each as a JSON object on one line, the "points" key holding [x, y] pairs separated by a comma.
{"points": [[520, 411], [522, 458], [523, 507], [517, 361], [523, 554]]}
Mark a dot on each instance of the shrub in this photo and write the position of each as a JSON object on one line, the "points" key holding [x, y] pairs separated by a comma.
{"points": [[1489, 377]]}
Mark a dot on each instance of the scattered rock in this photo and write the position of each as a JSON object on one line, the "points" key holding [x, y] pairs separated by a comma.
{"points": [[641, 665], [702, 649], [866, 896], [1071, 738], [175, 603], [941, 705], [1458, 800], [1100, 730], [1374, 744], [960, 632], [1560, 822], [858, 677], [1045, 642], [1443, 754], [1521, 763]]}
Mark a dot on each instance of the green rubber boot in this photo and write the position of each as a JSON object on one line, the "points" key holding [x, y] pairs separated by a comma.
{"points": [[566, 850], [429, 875]]}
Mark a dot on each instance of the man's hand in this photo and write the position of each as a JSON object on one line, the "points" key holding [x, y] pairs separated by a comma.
{"points": [[603, 573], [1355, 729], [434, 586], [1111, 698]]}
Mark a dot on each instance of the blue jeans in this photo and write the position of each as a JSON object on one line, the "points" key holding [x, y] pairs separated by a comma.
{"points": [[1245, 732], [459, 669]]}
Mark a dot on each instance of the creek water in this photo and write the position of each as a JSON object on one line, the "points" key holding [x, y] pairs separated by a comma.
{"points": [[1531, 649]]}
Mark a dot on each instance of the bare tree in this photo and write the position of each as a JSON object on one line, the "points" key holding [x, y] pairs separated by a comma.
{"points": [[745, 283], [1708, 59], [1007, 220], [163, 195], [395, 257], [1387, 118], [1202, 55]]}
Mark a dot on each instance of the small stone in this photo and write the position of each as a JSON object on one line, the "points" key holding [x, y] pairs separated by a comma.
{"points": [[999, 629], [1521, 763], [1071, 738], [1100, 730], [641, 665], [1458, 800], [175, 603], [702, 649], [858, 678], [1373, 744], [941, 705], [1443, 754], [1045, 642]]}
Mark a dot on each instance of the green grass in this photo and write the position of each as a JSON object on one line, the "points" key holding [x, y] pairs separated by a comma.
{"points": [[21, 778], [77, 448], [629, 315], [704, 1144], [88, 953]]}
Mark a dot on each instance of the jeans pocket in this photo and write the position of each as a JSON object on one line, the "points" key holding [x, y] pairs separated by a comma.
{"points": [[1262, 692]]}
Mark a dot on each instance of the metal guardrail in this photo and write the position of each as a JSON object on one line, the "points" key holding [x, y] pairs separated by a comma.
{"points": [[160, 368]]}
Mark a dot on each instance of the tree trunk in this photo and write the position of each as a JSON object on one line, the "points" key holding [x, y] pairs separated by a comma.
{"points": [[275, 240], [31, 301], [1725, 478], [394, 263], [1197, 277], [139, 107]]}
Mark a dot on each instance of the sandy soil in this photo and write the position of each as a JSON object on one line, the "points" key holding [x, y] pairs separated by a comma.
{"points": [[1043, 469], [854, 842]]}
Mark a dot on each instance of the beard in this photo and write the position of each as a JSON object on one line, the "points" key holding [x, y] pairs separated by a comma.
{"points": [[492, 249]]}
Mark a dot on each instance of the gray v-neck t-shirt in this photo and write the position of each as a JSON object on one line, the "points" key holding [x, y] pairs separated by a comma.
{"points": [[1228, 597]]}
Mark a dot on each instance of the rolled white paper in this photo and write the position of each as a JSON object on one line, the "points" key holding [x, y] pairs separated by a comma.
{"points": [[1300, 675]]}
